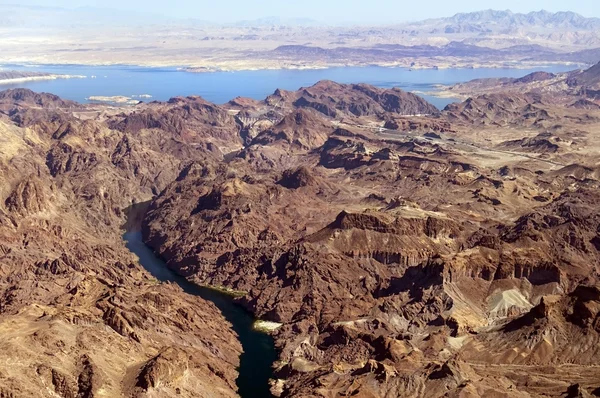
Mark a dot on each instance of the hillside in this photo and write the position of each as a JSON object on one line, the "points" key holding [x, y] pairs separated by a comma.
{"points": [[391, 249]]}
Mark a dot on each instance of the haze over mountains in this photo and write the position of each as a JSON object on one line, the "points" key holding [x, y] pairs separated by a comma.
{"points": [[489, 20], [486, 38], [20, 15]]}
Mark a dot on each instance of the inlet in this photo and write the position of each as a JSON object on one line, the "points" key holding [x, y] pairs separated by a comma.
{"points": [[259, 351]]}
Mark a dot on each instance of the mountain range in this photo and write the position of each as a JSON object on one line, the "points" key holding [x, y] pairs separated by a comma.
{"points": [[394, 249], [489, 38], [495, 19]]}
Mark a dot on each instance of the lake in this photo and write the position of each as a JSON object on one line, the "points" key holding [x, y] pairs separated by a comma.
{"points": [[220, 87]]}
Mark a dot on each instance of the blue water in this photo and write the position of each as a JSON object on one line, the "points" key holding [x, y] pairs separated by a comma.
{"points": [[259, 352], [220, 87]]}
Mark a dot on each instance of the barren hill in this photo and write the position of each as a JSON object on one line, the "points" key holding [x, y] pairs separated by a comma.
{"points": [[393, 249]]}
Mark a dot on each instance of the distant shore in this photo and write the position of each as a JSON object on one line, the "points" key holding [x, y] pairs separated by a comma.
{"points": [[264, 65], [402, 65]]}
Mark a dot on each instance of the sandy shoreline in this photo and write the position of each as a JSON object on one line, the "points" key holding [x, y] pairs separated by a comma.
{"points": [[264, 65], [39, 78], [236, 67], [442, 92]]}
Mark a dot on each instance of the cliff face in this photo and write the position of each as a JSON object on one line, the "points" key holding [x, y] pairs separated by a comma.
{"points": [[404, 263], [79, 316], [454, 254]]}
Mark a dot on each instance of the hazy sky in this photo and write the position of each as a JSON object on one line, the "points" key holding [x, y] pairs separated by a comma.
{"points": [[334, 11]]}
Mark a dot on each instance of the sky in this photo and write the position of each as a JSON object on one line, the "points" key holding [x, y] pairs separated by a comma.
{"points": [[330, 11]]}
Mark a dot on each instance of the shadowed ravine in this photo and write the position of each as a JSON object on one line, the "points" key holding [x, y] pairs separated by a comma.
{"points": [[259, 352]]}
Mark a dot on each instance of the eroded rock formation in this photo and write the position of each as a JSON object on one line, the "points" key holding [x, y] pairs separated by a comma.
{"points": [[446, 254]]}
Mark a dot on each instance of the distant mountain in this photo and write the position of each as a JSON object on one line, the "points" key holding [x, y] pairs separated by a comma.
{"points": [[486, 38], [14, 15], [494, 20]]}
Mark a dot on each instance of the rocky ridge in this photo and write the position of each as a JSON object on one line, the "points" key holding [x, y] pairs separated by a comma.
{"points": [[403, 261], [453, 253], [79, 316]]}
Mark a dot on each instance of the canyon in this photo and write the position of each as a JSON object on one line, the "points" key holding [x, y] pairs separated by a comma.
{"points": [[396, 249]]}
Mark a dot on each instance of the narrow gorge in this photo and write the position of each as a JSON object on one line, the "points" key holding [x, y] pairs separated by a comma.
{"points": [[401, 250], [258, 354]]}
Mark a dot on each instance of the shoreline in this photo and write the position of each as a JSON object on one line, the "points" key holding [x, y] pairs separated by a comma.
{"points": [[442, 93], [18, 80], [199, 68]]}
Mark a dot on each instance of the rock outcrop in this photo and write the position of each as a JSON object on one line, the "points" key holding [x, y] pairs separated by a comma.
{"points": [[78, 314], [422, 262], [353, 100], [451, 254]]}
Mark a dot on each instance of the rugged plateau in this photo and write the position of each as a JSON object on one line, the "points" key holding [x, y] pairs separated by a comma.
{"points": [[401, 250]]}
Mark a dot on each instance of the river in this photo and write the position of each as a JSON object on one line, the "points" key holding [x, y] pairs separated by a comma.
{"points": [[220, 87], [259, 353]]}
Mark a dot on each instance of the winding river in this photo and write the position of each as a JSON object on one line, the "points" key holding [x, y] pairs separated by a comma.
{"points": [[259, 353]]}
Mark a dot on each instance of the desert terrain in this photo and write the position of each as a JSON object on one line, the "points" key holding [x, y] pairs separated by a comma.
{"points": [[480, 39], [395, 249]]}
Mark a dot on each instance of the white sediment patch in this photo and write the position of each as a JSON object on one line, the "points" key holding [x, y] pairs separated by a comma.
{"points": [[457, 342], [17, 80], [117, 99], [355, 322], [501, 302], [266, 326]]}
